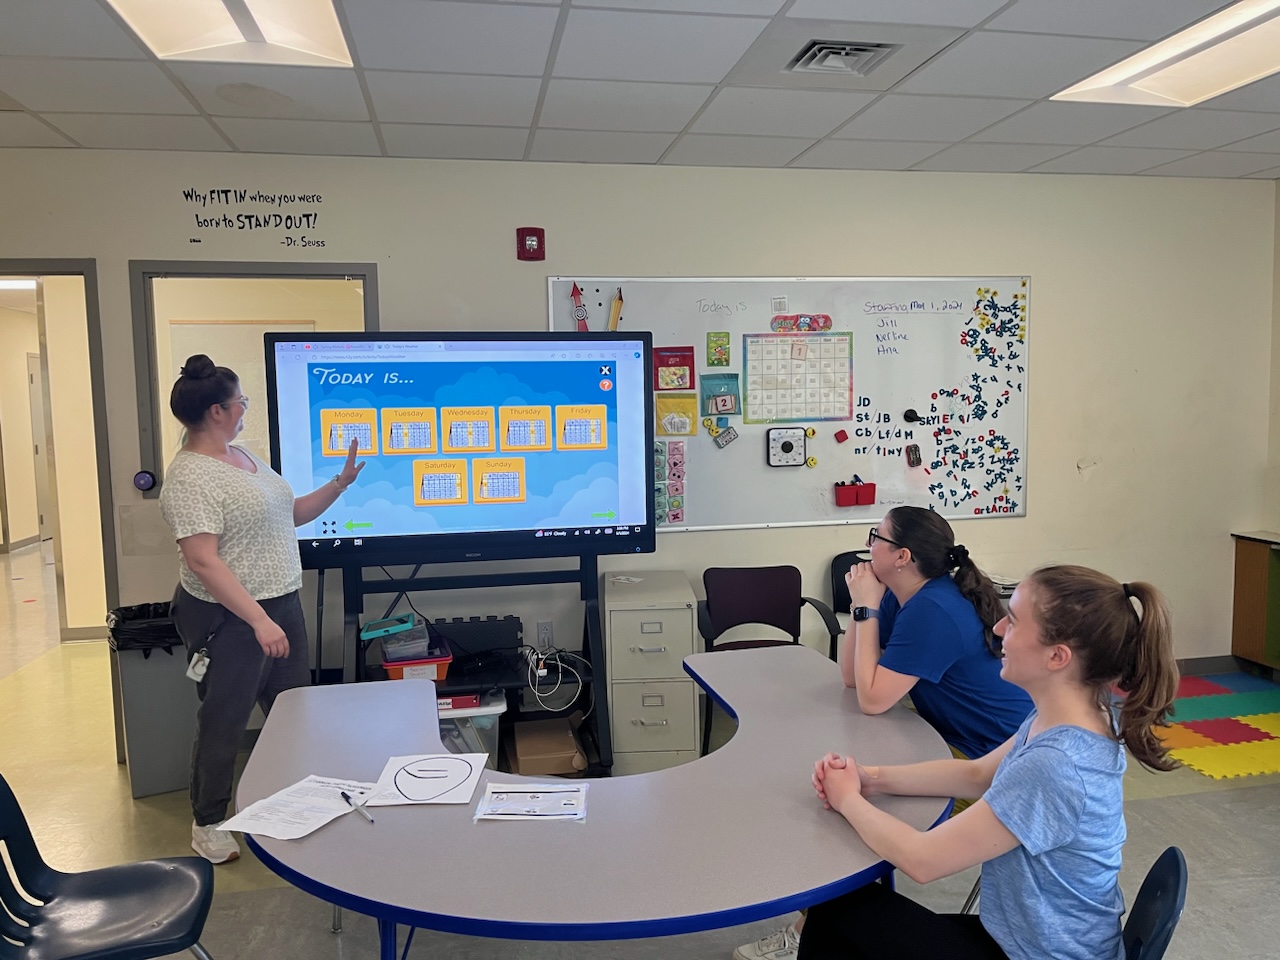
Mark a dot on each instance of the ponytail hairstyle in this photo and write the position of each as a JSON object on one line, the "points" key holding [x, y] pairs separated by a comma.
{"points": [[199, 387], [936, 554], [1094, 615]]}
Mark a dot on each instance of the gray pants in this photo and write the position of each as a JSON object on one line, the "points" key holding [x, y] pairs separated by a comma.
{"points": [[240, 674]]}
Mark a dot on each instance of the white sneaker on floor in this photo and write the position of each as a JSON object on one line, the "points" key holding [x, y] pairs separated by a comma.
{"points": [[216, 846], [780, 945]]}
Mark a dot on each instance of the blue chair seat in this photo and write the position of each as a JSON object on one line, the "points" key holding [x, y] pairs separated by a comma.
{"points": [[134, 911]]}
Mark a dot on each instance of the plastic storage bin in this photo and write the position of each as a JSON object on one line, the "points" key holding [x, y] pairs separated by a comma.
{"points": [[434, 667], [474, 729]]}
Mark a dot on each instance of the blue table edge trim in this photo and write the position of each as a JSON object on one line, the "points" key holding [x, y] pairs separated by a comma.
{"points": [[616, 930]]}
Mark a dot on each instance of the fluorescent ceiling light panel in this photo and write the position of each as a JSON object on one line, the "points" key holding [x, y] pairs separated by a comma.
{"points": [[1228, 50], [17, 284], [295, 32]]}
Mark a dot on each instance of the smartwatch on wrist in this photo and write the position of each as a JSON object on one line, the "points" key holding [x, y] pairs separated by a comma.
{"points": [[866, 613]]}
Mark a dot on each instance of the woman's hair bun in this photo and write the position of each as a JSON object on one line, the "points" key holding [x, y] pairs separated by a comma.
{"points": [[198, 367]]}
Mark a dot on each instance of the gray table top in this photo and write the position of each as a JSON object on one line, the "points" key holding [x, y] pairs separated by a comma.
{"points": [[729, 838]]}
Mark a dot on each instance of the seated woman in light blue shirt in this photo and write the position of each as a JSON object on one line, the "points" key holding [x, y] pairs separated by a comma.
{"points": [[1049, 827]]}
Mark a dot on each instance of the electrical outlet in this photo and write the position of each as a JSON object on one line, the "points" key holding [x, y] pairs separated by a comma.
{"points": [[544, 635]]}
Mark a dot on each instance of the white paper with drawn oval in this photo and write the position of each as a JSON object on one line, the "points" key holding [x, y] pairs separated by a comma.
{"points": [[430, 778]]}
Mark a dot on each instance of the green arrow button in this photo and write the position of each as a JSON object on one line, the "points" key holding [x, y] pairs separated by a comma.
{"points": [[607, 515], [351, 525]]}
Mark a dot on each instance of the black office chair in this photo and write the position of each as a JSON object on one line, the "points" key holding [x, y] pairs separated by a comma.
{"points": [[1156, 909], [744, 595], [134, 911]]}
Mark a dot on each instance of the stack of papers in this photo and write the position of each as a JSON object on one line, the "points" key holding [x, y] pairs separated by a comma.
{"points": [[311, 803]]}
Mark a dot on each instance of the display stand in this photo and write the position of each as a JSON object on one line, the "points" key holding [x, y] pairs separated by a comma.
{"points": [[355, 588]]}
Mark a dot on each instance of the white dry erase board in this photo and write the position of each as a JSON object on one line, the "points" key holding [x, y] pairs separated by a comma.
{"points": [[771, 391]]}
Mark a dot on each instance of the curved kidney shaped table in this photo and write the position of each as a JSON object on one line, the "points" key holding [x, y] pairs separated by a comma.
{"points": [[673, 851]]}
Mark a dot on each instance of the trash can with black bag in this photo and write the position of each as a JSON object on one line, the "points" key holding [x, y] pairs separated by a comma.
{"points": [[158, 701]]}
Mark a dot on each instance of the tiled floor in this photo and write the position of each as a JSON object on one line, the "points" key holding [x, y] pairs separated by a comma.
{"points": [[57, 751]]}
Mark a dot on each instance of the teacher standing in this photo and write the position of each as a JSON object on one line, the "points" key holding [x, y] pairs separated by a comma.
{"points": [[237, 599]]}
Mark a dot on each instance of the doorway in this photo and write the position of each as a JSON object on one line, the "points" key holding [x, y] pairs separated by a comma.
{"points": [[53, 398]]}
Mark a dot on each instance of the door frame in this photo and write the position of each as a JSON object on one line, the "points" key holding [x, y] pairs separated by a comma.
{"points": [[142, 272], [87, 270]]}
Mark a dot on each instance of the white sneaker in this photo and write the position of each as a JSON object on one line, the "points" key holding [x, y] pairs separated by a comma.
{"points": [[216, 846], [780, 945]]}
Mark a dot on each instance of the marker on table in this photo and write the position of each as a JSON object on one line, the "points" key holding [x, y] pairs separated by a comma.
{"points": [[357, 807]]}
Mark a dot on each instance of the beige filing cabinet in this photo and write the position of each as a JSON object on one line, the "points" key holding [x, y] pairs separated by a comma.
{"points": [[650, 628]]}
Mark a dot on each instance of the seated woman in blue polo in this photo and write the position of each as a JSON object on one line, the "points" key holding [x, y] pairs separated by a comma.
{"points": [[922, 619]]}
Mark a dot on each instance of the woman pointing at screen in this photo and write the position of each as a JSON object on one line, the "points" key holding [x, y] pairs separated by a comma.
{"points": [[237, 599]]}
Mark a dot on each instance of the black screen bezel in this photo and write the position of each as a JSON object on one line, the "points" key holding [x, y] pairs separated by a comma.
{"points": [[450, 547]]}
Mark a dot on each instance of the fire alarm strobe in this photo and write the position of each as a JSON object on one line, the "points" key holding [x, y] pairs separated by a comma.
{"points": [[531, 243], [785, 446]]}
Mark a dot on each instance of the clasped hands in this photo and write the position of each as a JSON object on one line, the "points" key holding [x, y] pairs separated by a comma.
{"points": [[836, 779], [865, 588]]}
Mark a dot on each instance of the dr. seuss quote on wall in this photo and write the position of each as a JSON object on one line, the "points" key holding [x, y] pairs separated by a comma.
{"points": [[288, 219]]}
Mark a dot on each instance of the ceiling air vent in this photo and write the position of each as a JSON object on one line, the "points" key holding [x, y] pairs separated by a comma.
{"points": [[841, 57]]}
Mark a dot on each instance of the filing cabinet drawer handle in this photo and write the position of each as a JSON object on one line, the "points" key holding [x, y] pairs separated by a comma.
{"points": [[648, 649], [650, 723]]}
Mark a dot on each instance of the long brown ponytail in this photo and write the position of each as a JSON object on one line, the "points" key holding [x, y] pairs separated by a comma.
{"points": [[1094, 615]]}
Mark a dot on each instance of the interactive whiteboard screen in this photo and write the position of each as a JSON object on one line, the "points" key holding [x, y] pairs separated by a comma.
{"points": [[476, 446]]}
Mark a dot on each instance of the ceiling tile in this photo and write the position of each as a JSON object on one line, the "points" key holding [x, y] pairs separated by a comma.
{"points": [[1272, 174], [1215, 163], [148, 132], [1197, 129], [1262, 95], [323, 137], [609, 45], [905, 117], [1112, 160], [64, 28], [457, 143], [759, 8], [946, 13], [867, 155], [712, 150], [91, 86], [619, 105], [451, 37], [779, 113], [1127, 20], [24, 130], [592, 146], [1267, 143], [1015, 65], [286, 93], [8, 103], [991, 157], [1052, 122], [453, 98]]}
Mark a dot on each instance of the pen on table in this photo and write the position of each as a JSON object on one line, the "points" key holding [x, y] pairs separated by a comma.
{"points": [[357, 807]]}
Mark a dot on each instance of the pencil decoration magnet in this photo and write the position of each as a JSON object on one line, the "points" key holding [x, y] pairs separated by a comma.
{"points": [[615, 310], [579, 311]]}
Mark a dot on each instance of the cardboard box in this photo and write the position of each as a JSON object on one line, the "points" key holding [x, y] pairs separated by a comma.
{"points": [[548, 747]]}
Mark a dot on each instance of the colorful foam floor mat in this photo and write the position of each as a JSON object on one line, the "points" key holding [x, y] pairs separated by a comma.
{"points": [[1226, 725]]}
